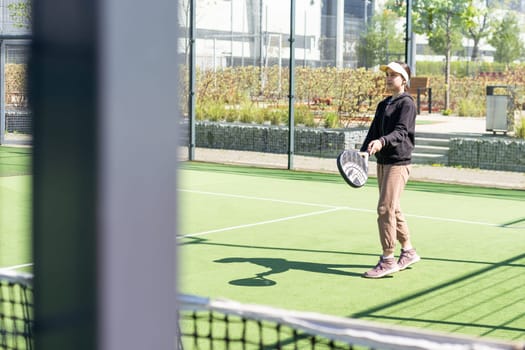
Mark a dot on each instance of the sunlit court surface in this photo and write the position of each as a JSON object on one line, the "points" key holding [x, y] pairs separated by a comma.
{"points": [[302, 241], [16, 295], [15, 204]]}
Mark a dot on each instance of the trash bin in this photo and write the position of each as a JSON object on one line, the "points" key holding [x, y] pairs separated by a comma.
{"points": [[499, 105]]}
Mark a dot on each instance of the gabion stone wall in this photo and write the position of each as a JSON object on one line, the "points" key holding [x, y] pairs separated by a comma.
{"points": [[274, 139], [488, 153], [21, 123], [492, 153]]}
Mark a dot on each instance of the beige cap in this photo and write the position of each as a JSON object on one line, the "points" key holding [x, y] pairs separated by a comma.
{"points": [[396, 67]]}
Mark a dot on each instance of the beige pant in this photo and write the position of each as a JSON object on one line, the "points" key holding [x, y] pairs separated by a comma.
{"points": [[391, 222]]}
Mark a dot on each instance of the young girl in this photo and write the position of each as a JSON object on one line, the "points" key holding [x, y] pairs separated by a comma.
{"points": [[391, 139]]}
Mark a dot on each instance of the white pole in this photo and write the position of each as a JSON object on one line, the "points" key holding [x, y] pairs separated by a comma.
{"points": [[214, 55], [304, 40], [231, 33], [243, 31], [280, 61], [339, 38], [137, 204]]}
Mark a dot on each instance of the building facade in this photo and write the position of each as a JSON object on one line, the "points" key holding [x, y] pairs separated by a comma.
{"points": [[327, 32]]}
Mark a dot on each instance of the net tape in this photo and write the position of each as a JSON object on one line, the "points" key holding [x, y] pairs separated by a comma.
{"points": [[333, 330], [16, 310]]}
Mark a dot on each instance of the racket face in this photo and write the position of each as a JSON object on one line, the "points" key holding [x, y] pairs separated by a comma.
{"points": [[353, 168]]}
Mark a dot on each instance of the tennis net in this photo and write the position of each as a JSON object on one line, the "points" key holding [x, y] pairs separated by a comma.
{"points": [[226, 324], [16, 310]]}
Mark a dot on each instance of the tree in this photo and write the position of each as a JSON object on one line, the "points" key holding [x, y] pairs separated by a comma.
{"points": [[20, 13], [379, 43], [443, 22], [506, 40], [480, 24]]}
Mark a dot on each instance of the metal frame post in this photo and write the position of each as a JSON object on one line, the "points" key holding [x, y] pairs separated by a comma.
{"points": [[2, 92], [291, 96], [408, 37], [192, 84]]}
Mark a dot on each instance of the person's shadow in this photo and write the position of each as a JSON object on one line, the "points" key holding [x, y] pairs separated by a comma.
{"points": [[276, 266]]}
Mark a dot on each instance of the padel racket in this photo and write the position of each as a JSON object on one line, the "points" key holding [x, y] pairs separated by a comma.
{"points": [[353, 167]]}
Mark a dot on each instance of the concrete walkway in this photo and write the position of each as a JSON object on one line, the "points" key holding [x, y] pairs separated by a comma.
{"points": [[431, 124], [11, 139], [437, 123]]}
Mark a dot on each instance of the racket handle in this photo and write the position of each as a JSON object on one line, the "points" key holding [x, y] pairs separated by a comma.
{"points": [[364, 155]]}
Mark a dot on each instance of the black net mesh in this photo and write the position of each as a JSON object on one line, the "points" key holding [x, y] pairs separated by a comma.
{"points": [[16, 312]]}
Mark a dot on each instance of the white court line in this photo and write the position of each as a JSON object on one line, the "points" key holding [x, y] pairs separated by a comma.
{"points": [[435, 218], [279, 201], [459, 221], [259, 223], [15, 267]]}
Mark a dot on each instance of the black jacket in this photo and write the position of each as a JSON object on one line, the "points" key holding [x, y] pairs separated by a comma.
{"points": [[395, 123]]}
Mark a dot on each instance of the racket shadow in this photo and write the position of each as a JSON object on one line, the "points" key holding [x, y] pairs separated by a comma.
{"points": [[278, 265]]}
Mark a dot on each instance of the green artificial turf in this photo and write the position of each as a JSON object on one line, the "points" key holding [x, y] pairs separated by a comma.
{"points": [[301, 241], [310, 236], [15, 161], [15, 221], [15, 206]]}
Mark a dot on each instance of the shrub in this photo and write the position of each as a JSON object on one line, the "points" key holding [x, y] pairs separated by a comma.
{"points": [[246, 113], [259, 117], [520, 128], [278, 116], [304, 116], [351, 93], [212, 111], [331, 120], [231, 115], [469, 108]]}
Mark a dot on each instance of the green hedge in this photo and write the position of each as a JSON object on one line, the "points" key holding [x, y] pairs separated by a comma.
{"points": [[243, 93]]}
